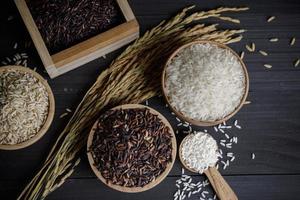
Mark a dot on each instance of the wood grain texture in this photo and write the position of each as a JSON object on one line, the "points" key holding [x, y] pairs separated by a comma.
{"points": [[126, 10], [219, 184], [270, 124], [270, 187]]}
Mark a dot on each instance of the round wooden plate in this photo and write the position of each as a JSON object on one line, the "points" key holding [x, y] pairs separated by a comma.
{"points": [[51, 110], [149, 185], [198, 122]]}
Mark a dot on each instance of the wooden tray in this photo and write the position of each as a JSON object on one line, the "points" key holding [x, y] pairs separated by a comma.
{"points": [[49, 118], [85, 51], [150, 185], [198, 122]]}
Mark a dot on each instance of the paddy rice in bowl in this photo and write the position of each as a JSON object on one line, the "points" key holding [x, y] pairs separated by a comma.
{"points": [[205, 81], [26, 107]]}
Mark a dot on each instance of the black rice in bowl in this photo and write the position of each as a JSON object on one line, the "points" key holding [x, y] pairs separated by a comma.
{"points": [[64, 23], [131, 147]]}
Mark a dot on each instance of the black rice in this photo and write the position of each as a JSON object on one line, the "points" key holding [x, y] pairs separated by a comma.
{"points": [[131, 147], [64, 23]]}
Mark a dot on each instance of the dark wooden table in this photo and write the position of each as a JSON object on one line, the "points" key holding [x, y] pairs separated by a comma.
{"points": [[270, 124]]}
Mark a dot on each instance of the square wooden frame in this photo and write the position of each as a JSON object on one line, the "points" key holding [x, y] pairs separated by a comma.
{"points": [[83, 52]]}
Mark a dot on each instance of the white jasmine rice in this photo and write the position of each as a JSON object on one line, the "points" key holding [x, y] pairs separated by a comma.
{"points": [[205, 82], [200, 151]]}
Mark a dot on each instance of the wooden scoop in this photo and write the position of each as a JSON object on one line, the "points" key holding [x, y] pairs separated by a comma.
{"points": [[221, 187]]}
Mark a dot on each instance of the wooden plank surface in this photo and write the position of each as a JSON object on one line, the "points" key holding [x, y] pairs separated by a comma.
{"points": [[270, 124], [269, 187]]}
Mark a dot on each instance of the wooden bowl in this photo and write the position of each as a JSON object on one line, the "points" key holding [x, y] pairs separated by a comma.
{"points": [[49, 118], [198, 122], [150, 185]]}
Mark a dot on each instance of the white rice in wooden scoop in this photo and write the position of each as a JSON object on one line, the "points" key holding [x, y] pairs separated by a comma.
{"points": [[205, 82], [199, 151]]}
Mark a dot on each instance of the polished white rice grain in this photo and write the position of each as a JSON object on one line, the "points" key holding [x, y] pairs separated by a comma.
{"points": [[200, 151], [205, 82]]}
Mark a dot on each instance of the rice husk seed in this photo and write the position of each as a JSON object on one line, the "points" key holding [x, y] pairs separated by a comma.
{"points": [[263, 53], [271, 18], [219, 92], [273, 40], [267, 66], [24, 105], [293, 40]]}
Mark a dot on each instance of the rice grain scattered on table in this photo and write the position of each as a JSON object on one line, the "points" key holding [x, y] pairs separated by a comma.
{"points": [[263, 53], [293, 40], [10, 18], [297, 62], [253, 46], [242, 55], [273, 39], [249, 48], [268, 66], [186, 187], [271, 18], [63, 115], [15, 45], [16, 59], [247, 102], [205, 82]]}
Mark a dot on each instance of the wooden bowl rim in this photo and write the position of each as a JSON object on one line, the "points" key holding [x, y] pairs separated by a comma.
{"points": [[199, 122], [180, 152], [51, 109], [150, 185]]}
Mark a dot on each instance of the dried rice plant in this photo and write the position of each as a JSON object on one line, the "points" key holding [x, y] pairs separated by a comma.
{"points": [[132, 78]]}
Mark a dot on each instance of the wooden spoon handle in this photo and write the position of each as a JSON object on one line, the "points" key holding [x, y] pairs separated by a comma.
{"points": [[221, 187]]}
